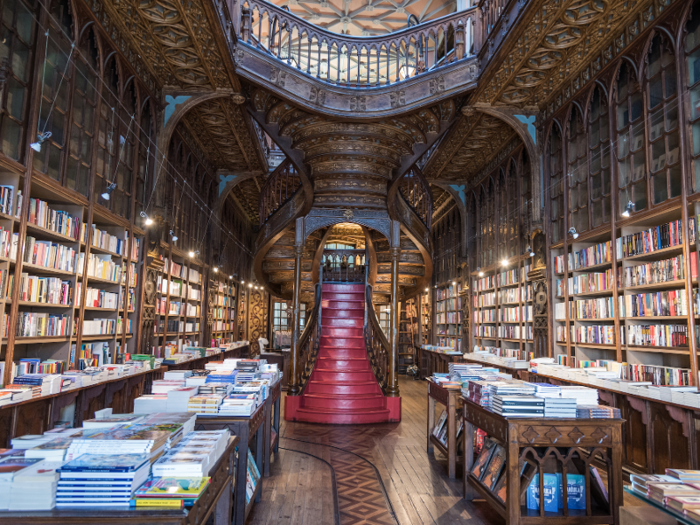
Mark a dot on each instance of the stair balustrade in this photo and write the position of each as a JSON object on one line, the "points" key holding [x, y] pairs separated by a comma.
{"points": [[309, 343], [377, 345], [367, 61], [343, 266], [415, 191], [279, 188]]}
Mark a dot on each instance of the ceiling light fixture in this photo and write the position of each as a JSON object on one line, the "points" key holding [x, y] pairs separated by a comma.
{"points": [[148, 220], [40, 139], [480, 273], [175, 237], [529, 251], [573, 232], [108, 191], [628, 209]]}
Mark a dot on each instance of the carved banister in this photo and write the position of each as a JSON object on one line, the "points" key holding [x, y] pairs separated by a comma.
{"points": [[344, 266], [416, 192], [376, 343], [309, 343], [279, 188], [354, 61]]}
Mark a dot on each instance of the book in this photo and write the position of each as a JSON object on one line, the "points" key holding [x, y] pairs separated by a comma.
{"points": [[683, 503], [440, 423], [482, 460], [598, 491], [551, 493], [95, 464], [575, 491], [154, 502], [494, 468], [182, 488], [501, 488]]}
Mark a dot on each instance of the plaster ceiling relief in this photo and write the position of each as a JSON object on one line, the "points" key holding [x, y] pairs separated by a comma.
{"points": [[176, 40], [367, 17], [559, 40]]}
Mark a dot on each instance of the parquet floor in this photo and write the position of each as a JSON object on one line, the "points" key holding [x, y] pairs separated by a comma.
{"points": [[366, 475]]}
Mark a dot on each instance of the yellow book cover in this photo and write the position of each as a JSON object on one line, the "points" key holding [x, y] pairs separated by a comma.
{"points": [[154, 502]]}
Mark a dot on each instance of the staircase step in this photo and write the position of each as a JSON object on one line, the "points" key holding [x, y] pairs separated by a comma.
{"points": [[321, 374], [332, 341], [342, 417], [358, 304], [344, 401], [337, 296], [342, 387], [344, 288], [342, 313], [342, 353], [343, 365], [331, 331], [341, 323]]}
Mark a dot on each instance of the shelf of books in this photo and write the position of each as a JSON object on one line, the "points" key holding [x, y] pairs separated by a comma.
{"points": [[76, 294], [630, 302], [502, 310], [224, 311], [408, 334], [448, 316], [425, 319], [178, 322]]}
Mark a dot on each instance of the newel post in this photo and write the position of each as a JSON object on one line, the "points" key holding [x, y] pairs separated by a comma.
{"points": [[295, 372], [393, 380]]}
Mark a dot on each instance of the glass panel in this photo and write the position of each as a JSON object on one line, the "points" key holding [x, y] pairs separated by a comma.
{"points": [[660, 189]]}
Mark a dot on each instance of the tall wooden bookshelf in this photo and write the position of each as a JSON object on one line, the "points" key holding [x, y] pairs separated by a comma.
{"points": [[632, 299], [502, 309], [408, 334], [223, 311], [448, 316], [425, 319]]}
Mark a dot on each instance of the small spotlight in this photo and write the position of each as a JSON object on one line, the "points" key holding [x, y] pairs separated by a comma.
{"points": [[628, 209], [529, 250], [191, 254], [573, 232], [175, 237], [41, 138], [427, 289], [216, 270], [454, 283], [478, 269], [504, 262], [230, 276], [242, 282], [110, 188], [250, 285], [148, 220]]}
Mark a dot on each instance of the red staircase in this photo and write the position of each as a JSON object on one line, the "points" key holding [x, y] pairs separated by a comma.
{"points": [[342, 388]]}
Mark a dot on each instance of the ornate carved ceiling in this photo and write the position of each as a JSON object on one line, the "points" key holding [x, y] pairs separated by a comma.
{"points": [[347, 233], [367, 17], [247, 195]]}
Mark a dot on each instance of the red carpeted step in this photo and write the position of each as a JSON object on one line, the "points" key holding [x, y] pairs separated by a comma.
{"points": [[344, 288], [342, 340], [348, 375], [350, 305], [342, 417], [344, 401], [341, 323], [340, 387], [335, 296], [342, 313], [342, 365], [342, 352]]}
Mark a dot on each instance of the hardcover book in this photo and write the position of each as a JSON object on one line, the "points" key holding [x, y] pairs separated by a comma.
{"points": [[483, 459], [551, 493], [494, 468], [575, 491]]}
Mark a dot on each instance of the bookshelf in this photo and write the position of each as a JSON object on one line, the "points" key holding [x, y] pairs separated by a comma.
{"points": [[408, 334], [425, 319], [632, 300], [223, 311], [502, 309], [448, 316]]}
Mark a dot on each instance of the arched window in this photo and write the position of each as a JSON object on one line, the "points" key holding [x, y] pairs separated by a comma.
{"points": [[18, 29], [83, 115], [121, 197], [577, 173], [599, 158], [525, 199], [631, 159], [56, 91], [489, 225], [145, 167], [108, 133], [513, 216], [664, 142], [692, 48], [556, 191], [471, 233], [502, 216]]}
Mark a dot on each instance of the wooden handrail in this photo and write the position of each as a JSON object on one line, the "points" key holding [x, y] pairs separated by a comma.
{"points": [[376, 343], [279, 188], [415, 191], [309, 342]]}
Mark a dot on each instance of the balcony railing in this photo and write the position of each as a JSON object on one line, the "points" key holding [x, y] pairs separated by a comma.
{"points": [[416, 192], [357, 61], [344, 266], [281, 186]]}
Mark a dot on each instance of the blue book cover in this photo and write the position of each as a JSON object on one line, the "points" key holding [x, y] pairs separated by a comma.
{"points": [[575, 491], [105, 463], [551, 493]]}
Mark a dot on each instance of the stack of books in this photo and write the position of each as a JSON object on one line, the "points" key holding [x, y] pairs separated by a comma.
{"points": [[194, 456], [34, 487], [205, 403], [235, 406], [170, 492], [597, 412], [151, 404], [582, 394], [518, 406], [136, 439], [9, 468], [178, 398], [562, 407], [101, 480]]}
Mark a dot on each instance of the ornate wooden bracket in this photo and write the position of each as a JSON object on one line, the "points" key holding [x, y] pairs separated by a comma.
{"points": [[640, 406]]}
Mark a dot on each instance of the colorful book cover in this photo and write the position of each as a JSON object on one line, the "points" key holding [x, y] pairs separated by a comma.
{"points": [[494, 468], [187, 488], [483, 458], [9, 466], [551, 493], [575, 491], [106, 463]]}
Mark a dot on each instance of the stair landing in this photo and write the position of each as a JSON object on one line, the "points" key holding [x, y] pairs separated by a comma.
{"points": [[342, 389]]}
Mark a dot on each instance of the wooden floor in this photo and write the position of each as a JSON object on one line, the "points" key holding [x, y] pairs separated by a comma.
{"points": [[373, 475]]}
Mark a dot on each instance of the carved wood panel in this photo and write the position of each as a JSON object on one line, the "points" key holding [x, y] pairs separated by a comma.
{"points": [[257, 319], [634, 434], [670, 444]]}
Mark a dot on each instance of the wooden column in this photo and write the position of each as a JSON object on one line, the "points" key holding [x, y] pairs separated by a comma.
{"points": [[393, 380], [294, 371]]}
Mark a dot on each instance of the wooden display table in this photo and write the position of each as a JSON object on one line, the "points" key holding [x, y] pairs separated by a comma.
{"points": [[431, 362], [451, 400], [198, 364], [246, 429], [272, 424], [215, 500], [540, 441]]}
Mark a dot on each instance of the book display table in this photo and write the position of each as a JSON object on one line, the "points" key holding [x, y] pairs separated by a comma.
{"points": [[195, 364], [548, 445], [672, 514], [215, 501], [432, 362], [272, 424], [450, 399], [247, 430]]}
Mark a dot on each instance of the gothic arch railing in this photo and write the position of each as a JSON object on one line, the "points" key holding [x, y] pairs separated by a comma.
{"points": [[376, 343], [344, 266], [370, 61], [309, 342], [415, 191], [279, 189]]}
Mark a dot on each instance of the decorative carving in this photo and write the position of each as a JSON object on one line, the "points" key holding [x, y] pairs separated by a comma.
{"points": [[397, 98], [358, 103], [437, 85], [277, 76], [238, 98]]}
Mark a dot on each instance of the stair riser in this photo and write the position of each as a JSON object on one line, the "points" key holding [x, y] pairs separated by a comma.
{"points": [[336, 296], [344, 288], [354, 305], [342, 353], [337, 388], [348, 377], [342, 365], [373, 403], [311, 416], [341, 323], [334, 332], [335, 313]]}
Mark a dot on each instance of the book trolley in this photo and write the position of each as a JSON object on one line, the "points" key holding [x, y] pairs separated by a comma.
{"points": [[450, 399], [247, 430], [547, 445], [215, 501]]}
